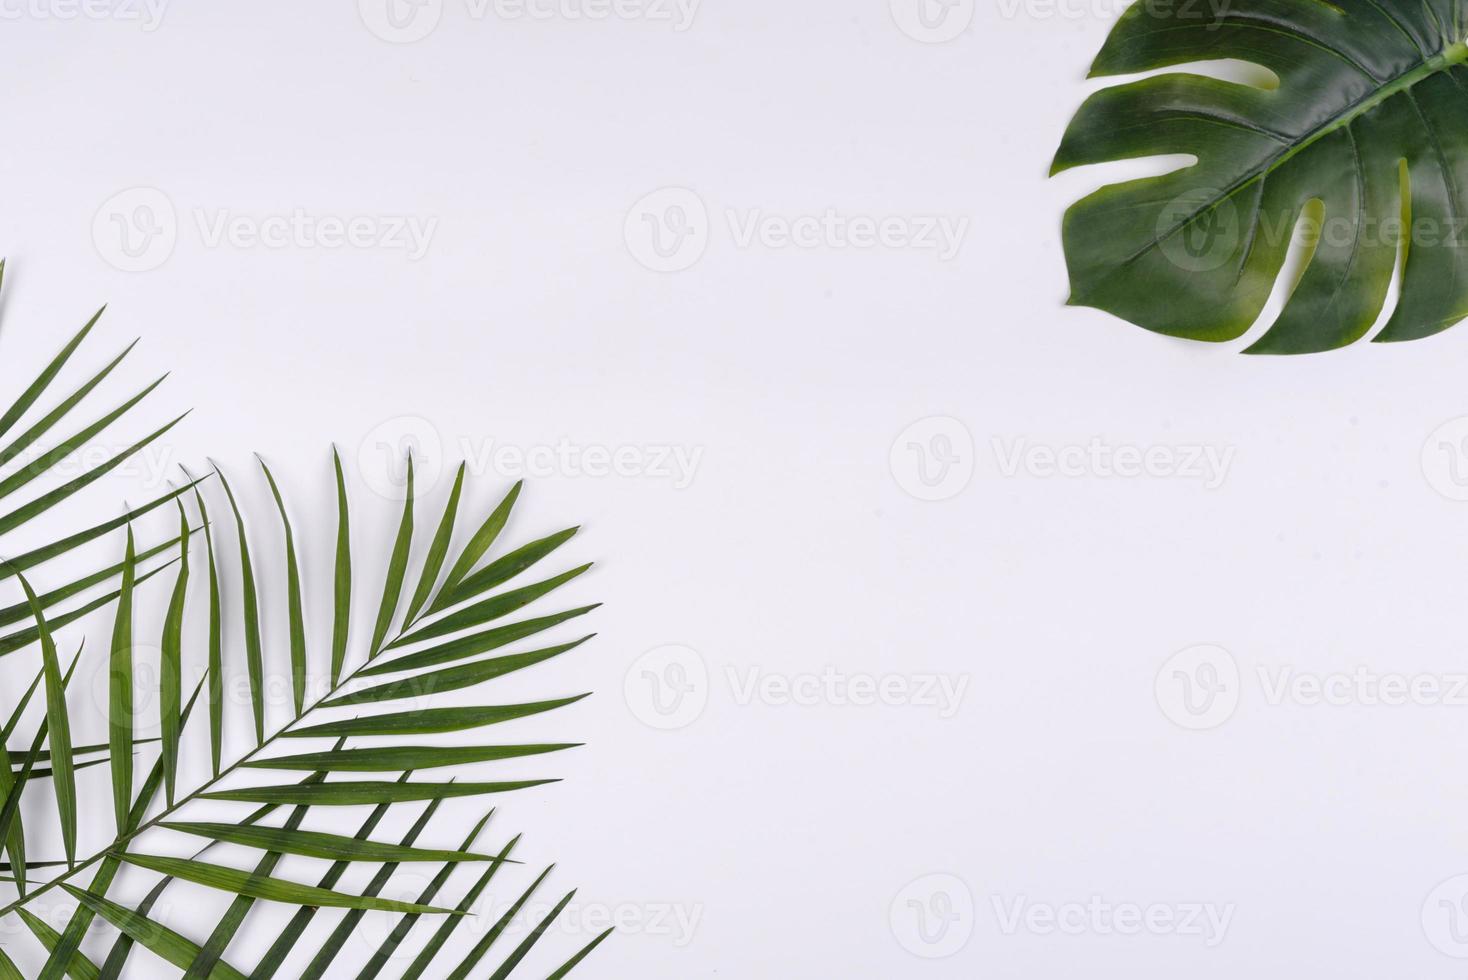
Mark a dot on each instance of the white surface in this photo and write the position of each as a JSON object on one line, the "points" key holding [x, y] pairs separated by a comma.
{"points": [[796, 834]]}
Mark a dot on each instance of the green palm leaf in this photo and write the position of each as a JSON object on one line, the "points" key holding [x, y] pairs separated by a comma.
{"points": [[439, 550], [431, 721], [254, 653], [58, 720], [454, 678], [446, 928], [212, 953], [275, 956], [270, 889], [79, 967], [43, 380], [297, 622], [329, 847], [495, 931], [397, 568], [365, 792], [474, 644], [150, 934], [163, 787], [339, 936], [342, 583], [398, 758], [120, 692], [170, 681], [405, 925]]}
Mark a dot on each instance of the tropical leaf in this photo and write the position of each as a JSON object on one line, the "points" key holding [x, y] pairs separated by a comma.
{"points": [[261, 886], [297, 622], [1358, 135], [324, 957], [399, 758], [394, 940], [397, 568], [365, 792], [160, 806], [152, 935], [430, 721], [38, 440], [329, 847], [120, 691]]}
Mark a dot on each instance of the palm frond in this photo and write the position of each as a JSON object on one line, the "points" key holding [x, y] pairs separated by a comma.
{"points": [[429, 631], [338, 776]]}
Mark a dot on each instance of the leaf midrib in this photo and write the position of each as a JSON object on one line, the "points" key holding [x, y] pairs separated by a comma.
{"points": [[123, 839], [1453, 56]]}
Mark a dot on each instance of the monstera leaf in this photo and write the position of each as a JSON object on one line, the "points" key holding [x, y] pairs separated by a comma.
{"points": [[1363, 132]]}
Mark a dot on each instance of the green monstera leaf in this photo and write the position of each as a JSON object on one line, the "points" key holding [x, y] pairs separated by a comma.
{"points": [[1363, 133]]}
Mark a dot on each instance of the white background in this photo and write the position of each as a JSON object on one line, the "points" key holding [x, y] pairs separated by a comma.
{"points": [[790, 831]]}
